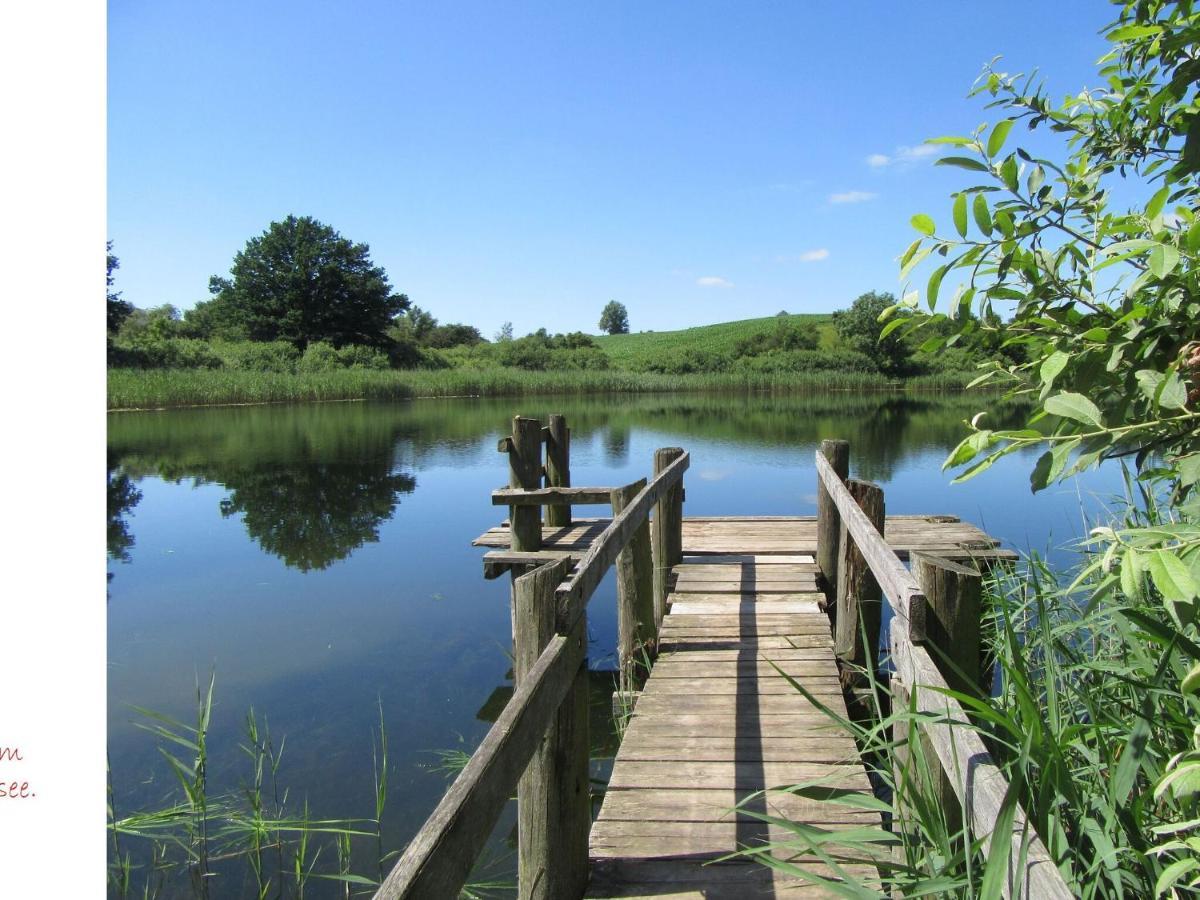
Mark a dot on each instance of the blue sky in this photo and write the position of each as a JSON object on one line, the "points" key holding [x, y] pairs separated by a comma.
{"points": [[529, 162]]}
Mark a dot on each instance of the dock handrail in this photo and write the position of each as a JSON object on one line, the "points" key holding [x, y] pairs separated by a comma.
{"points": [[976, 778], [539, 744]]}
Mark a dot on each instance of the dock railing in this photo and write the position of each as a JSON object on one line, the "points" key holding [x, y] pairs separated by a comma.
{"points": [[937, 606], [539, 744]]}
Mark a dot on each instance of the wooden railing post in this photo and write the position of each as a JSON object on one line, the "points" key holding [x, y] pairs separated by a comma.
{"points": [[859, 598], [953, 593], [554, 809], [829, 523], [636, 627], [524, 471], [667, 532], [558, 467]]}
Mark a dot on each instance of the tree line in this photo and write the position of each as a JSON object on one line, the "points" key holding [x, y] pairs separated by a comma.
{"points": [[301, 297]]}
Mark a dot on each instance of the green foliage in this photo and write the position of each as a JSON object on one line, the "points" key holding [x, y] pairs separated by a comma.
{"points": [[614, 318], [118, 309], [542, 351], [258, 356], [1105, 306], [787, 335], [301, 281], [860, 329]]}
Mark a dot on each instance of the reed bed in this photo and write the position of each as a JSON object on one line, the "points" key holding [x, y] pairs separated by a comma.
{"points": [[165, 388]]}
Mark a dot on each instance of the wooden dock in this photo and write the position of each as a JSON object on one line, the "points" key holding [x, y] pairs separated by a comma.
{"points": [[716, 723], [729, 615]]}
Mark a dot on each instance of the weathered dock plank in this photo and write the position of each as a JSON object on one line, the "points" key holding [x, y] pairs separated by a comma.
{"points": [[717, 725]]}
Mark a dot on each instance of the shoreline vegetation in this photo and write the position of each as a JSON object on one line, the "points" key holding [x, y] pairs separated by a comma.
{"points": [[131, 389]]}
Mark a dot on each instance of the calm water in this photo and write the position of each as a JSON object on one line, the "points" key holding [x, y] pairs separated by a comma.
{"points": [[317, 558]]}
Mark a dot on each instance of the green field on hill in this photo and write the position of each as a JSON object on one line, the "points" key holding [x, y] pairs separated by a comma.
{"points": [[632, 351]]}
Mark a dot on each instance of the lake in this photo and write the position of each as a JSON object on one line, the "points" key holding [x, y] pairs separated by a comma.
{"points": [[317, 559]]}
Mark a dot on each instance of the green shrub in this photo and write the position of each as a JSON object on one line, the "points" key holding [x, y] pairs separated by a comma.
{"points": [[164, 353], [258, 356], [689, 361], [356, 356], [319, 357]]}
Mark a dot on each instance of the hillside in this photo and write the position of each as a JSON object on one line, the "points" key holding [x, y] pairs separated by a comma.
{"points": [[632, 351]]}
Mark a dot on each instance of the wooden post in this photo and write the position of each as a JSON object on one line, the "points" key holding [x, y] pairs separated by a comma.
{"points": [[829, 522], [558, 467], [525, 471], [859, 599], [667, 532], [953, 595], [554, 811], [636, 626]]}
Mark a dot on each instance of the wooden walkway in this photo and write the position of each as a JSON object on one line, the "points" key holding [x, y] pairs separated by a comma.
{"points": [[716, 723]]}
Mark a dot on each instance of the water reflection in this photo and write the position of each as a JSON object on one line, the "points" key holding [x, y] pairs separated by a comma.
{"points": [[310, 484], [122, 498]]}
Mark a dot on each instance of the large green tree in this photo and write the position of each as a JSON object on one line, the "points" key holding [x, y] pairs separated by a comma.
{"points": [[301, 281], [859, 327]]}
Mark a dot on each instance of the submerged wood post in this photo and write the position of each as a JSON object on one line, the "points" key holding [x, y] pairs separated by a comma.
{"points": [[554, 810], [667, 531], [636, 625], [953, 595], [829, 522], [859, 599], [525, 472], [558, 467]]}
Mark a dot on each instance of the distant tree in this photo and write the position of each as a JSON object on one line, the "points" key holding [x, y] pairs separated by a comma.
{"points": [[118, 309], [301, 281], [859, 328], [505, 333], [418, 323], [614, 318], [453, 334]]}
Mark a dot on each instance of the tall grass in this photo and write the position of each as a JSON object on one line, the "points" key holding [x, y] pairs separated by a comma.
{"points": [[1086, 717], [162, 388], [249, 837]]}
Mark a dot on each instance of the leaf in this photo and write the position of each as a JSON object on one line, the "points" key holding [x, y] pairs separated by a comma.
{"points": [[1035, 179], [1172, 394], [1189, 468], [960, 214], [1053, 365], [1148, 382], [923, 224], [982, 218], [1076, 407], [935, 282], [1133, 32], [999, 134], [1009, 172], [1191, 681], [1191, 145], [1131, 582], [963, 162], [1193, 235], [1171, 576], [1157, 202], [1163, 260]]}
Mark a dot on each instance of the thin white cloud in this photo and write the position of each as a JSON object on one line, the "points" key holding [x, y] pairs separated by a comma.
{"points": [[902, 157], [713, 281], [852, 197], [814, 255]]}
